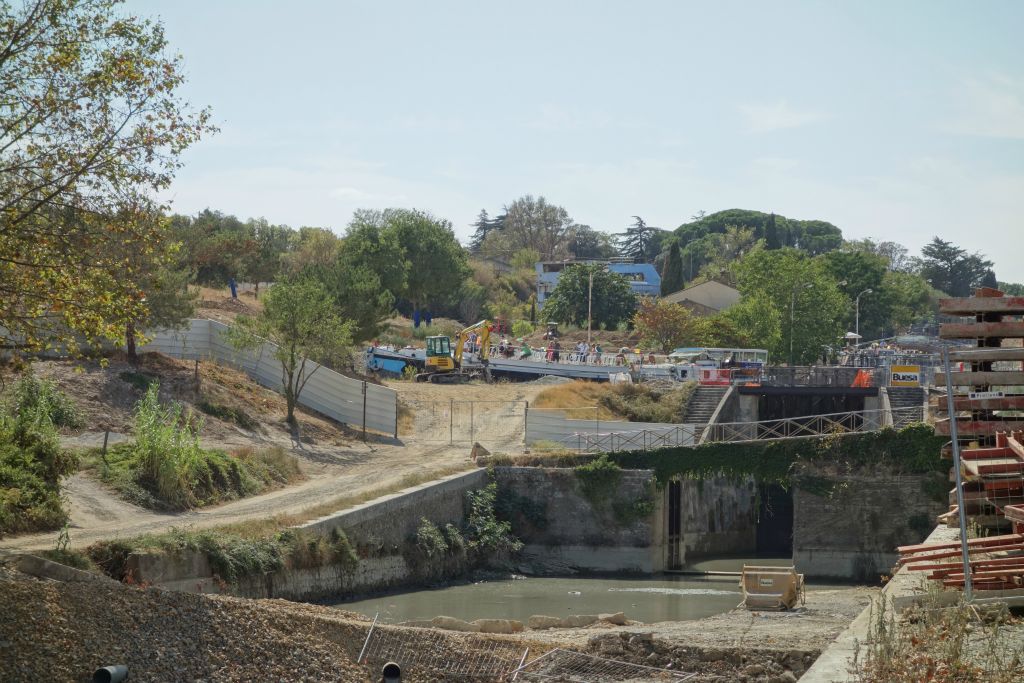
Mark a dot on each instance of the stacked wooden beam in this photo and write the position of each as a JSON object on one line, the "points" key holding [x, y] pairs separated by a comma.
{"points": [[988, 400], [997, 562]]}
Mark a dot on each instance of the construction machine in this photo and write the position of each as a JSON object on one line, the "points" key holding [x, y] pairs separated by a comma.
{"points": [[444, 363]]}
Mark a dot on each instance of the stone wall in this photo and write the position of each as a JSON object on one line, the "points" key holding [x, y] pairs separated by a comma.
{"points": [[564, 531], [379, 530], [719, 517], [852, 530]]}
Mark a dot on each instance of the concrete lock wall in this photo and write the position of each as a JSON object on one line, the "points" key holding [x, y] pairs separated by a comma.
{"points": [[331, 393], [718, 517], [852, 531], [562, 530]]}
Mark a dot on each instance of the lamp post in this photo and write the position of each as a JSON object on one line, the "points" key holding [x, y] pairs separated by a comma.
{"points": [[856, 327], [792, 316], [590, 302]]}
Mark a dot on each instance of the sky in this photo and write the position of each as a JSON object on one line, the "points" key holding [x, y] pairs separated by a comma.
{"points": [[893, 120]]}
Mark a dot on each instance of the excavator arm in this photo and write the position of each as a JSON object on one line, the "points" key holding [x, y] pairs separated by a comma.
{"points": [[483, 328]]}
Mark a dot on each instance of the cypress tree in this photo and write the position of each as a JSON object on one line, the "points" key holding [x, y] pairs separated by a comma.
{"points": [[672, 278], [771, 234]]}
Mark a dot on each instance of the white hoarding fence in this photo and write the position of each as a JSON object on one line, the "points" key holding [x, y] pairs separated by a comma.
{"points": [[354, 402]]}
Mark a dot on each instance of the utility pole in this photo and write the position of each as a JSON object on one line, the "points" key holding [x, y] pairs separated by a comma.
{"points": [[590, 303], [792, 317], [856, 328]]}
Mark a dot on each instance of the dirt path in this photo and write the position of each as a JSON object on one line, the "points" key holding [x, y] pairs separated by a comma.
{"points": [[332, 471]]}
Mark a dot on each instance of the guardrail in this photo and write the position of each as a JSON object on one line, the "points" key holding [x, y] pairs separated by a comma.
{"points": [[833, 424]]}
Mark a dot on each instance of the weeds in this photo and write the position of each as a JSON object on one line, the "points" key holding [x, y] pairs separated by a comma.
{"points": [[139, 380], [165, 468], [430, 542], [938, 644]]}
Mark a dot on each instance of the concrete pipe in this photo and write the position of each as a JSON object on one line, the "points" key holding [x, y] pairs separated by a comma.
{"points": [[111, 674], [391, 673]]}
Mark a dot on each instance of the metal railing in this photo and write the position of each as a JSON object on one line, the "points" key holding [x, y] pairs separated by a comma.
{"points": [[833, 424]]}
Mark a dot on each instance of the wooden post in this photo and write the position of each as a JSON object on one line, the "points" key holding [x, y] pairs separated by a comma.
{"points": [[451, 421], [106, 436]]}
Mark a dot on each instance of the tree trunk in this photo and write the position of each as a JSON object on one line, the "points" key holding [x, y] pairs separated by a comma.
{"points": [[129, 334], [256, 294]]}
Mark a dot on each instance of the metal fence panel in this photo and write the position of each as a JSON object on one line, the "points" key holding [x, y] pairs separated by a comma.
{"points": [[328, 392]]}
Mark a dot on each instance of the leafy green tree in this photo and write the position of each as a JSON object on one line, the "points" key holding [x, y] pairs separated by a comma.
{"points": [[300, 318], [989, 279], [804, 295], [1012, 288], [908, 298], [91, 122], [950, 269], [531, 223], [759, 320], [856, 272], [437, 262], [663, 325], [672, 277], [613, 299], [269, 245], [311, 247], [587, 243], [484, 226], [214, 245]]}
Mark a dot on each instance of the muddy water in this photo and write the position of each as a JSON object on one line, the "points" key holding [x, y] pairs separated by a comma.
{"points": [[647, 599]]}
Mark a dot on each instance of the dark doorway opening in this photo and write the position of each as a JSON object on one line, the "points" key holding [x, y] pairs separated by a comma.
{"points": [[774, 520], [675, 536]]}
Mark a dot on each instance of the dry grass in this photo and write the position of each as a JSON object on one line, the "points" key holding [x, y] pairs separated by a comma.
{"points": [[257, 528], [582, 399]]}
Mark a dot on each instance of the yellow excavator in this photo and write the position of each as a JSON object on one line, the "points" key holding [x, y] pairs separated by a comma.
{"points": [[444, 363]]}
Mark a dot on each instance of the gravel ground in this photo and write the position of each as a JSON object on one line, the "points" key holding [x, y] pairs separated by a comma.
{"points": [[53, 631]]}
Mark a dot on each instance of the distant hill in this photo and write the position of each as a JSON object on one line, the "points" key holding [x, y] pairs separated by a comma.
{"points": [[814, 237]]}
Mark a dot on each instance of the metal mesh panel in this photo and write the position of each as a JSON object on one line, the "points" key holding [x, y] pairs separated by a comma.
{"points": [[493, 424], [566, 665], [424, 650]]}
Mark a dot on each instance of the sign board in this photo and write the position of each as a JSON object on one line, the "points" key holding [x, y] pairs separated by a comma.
{"points": [[981, 395], [905, 376]]}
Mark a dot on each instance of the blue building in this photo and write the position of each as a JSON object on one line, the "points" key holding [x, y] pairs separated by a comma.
{"points": [[642, 277]]}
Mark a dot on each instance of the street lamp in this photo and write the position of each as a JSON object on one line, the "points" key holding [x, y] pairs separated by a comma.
{"points": [[856, 328], [792, 316]]}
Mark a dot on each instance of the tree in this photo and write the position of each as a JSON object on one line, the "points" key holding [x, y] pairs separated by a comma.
{"points": [[856, 272], [91, 123], [311, 247], [989, 279], [300, 318], [269, 245], [950, 269], [214, 245], [908, 298], [531, 223], [758, 318], [613, 300], [640, 242], [672, 277], [1012, 288], [771, 234], [587, 243], [663, 325], [437, 262], [804, 296], [484, 226]]}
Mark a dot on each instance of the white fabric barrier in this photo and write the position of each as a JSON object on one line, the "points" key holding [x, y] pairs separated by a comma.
{"points": [[328, 392]]}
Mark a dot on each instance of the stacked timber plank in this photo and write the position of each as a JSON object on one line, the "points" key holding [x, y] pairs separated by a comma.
{"points": [[988, 401], [997, 562]]}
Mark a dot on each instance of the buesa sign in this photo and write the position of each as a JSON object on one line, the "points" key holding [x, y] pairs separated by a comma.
{"points": [[905, 376]]}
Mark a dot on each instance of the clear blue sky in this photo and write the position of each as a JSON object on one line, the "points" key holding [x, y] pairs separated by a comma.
{"points": [[893, 120]]}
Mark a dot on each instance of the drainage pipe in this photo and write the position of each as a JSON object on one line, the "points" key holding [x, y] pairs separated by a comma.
{"points": [[111, 674]]}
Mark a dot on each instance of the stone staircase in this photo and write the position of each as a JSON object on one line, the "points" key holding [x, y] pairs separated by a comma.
{"points": [[906, 397], [703, 403]]}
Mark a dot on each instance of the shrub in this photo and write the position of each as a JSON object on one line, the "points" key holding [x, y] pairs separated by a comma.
{"points": [[486, 533], [430, 542], [228, 414], [34, 399], [456, 543], [167, 449], [522, 328]]}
